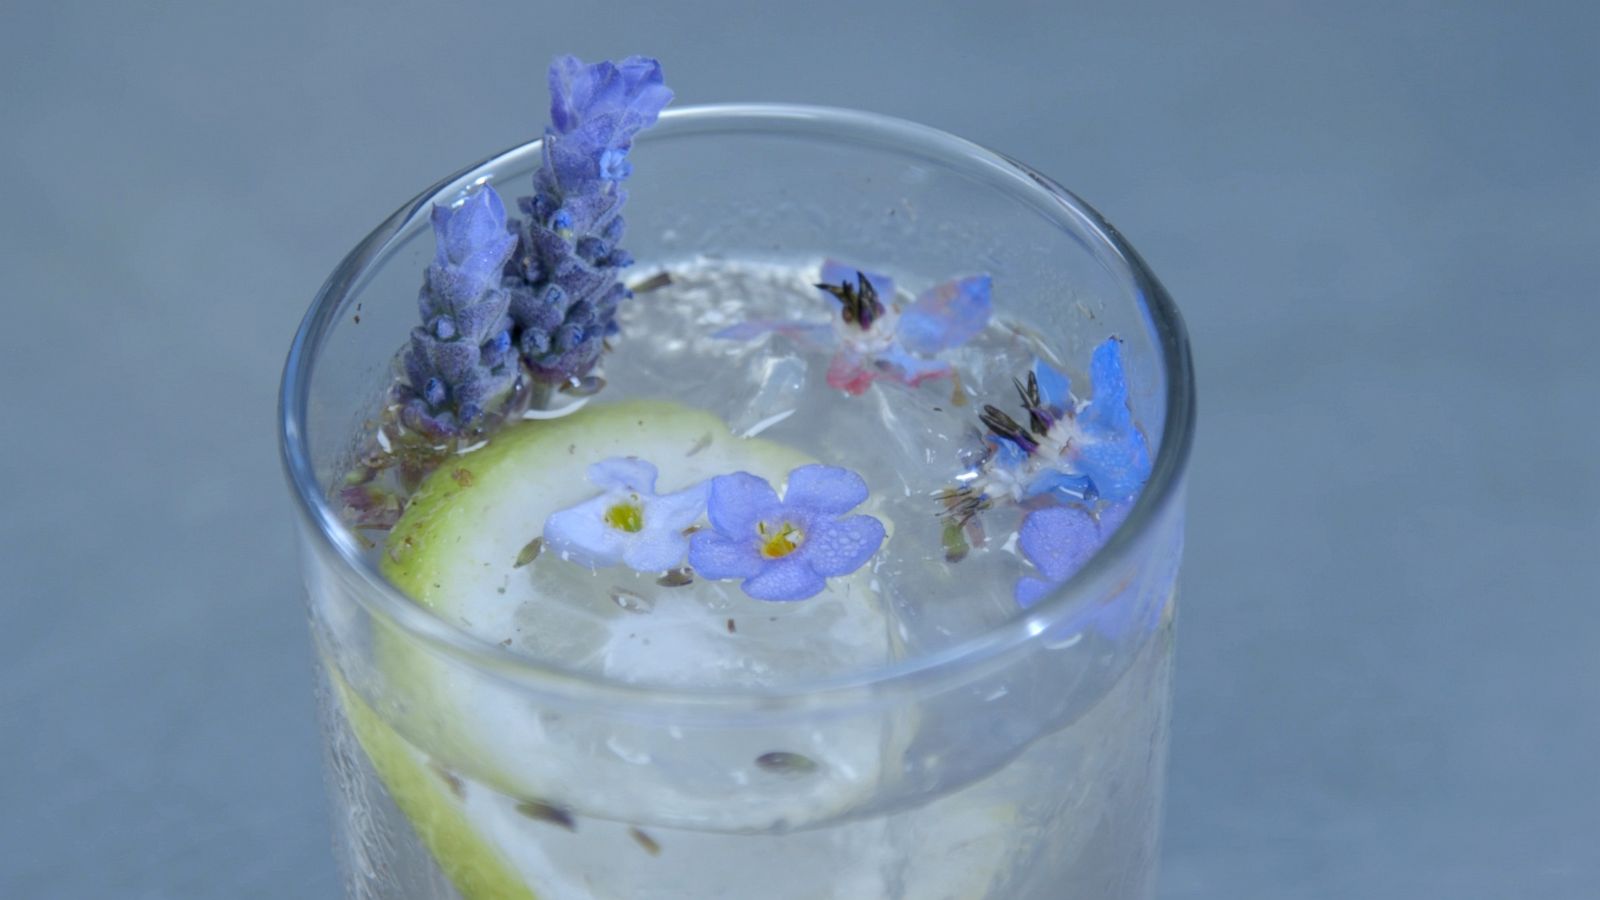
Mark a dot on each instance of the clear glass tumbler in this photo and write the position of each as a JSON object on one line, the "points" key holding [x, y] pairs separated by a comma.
{"points": [[1021, 760]]}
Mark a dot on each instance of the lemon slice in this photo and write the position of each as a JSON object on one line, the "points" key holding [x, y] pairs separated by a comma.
{"points": [[461, 549]]}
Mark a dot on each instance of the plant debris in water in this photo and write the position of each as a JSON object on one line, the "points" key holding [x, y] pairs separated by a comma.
{"points": [[632, 602], [530, 552], [783, 762], [678, 577], [646, 841], [540, 811]]}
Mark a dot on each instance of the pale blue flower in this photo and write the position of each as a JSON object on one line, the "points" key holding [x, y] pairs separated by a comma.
{"points": [[629, 523], [785, 549]]}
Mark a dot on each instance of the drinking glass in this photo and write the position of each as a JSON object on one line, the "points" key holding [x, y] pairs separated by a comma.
{"points": [[1020, 760]]}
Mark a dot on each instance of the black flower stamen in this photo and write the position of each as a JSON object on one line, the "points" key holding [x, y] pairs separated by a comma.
{"points": [[1003, 426], [861, 304], [1040, 418]]}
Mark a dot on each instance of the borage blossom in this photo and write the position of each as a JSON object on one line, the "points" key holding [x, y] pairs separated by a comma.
{"points": [[630, 523], [785, 549], [1059, 540], [872, 340], [1067, 451]]}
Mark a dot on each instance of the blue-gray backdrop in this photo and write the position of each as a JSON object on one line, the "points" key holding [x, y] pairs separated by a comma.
{"points": [[1380, 219]]}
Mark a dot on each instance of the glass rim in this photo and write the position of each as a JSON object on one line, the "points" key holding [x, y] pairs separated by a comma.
{"points": [[970, 657]]}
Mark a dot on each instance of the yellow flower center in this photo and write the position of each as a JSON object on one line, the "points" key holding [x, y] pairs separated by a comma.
{"points": [[777, 543], [627, 517]]}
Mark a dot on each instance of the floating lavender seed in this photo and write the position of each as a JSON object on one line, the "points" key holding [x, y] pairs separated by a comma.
{"points": [[785, 763], [541, 811], [530, 552], [646, 841], [677, 577]]}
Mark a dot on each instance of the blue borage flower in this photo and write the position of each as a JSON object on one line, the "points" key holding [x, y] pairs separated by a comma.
{"points": [[542, 289], [1059, 540], [630, 523], [1070, 451], [873, 340], [786, 549]]}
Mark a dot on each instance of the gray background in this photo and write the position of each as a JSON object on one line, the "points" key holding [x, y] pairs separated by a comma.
{"points": [[1380, 220]]}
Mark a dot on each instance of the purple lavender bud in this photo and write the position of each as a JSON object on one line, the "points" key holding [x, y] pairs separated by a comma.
{"points": [[434, 392], [568, 336], [458, 363], [564, 289]]}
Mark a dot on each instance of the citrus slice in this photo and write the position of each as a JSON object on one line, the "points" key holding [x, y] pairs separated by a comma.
{"points": [[462, 549]]}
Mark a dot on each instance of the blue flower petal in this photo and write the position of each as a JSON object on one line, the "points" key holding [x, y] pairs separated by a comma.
{"points": [[737, 501], [1064, 486], [1031, 590], [580, 534], [656, 550], [678, 511], [785, 579], [825, 489], [625, 473], [908, 369], [1115, 453], [713, 556], [1118, 467], [1007, 453], [1055, 389], [947, 315], [836, 272], [842, 546], [1107, 413], [1059, 540]]}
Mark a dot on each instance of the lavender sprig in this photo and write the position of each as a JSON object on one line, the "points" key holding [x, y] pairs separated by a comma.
{"points": [[461, 359], [562, 279]]}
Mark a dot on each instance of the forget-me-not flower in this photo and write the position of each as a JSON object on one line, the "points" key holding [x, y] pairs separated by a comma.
{"points": [[873, 340], [630, 523], [785, 549]]}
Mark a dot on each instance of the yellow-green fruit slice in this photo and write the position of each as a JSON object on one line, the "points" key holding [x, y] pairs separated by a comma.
{"points": [[476, 869], [456, 550]]}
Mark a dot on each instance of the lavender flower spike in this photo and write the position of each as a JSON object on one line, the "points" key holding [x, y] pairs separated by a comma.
{"points": [[563, 278], [460, 359], [785, 549]]}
